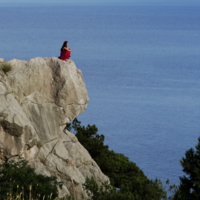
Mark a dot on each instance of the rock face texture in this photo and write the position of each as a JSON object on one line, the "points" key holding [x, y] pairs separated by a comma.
{"points": [[37, 98]]}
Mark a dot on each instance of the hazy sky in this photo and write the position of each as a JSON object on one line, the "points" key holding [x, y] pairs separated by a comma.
{"points": [[114, 2]]}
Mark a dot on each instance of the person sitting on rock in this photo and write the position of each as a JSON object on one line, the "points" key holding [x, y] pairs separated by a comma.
{"points": [[65, 51]]}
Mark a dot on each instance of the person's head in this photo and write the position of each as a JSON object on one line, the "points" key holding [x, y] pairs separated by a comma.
{"points": [[65, 43]]}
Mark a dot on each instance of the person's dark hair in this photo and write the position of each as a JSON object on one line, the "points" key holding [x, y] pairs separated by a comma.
{"points": [[64, 45]]}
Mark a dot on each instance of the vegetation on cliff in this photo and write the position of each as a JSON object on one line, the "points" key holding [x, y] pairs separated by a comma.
{"points": [[127, 179], [5, 67], [19, 181], [189, 188]]}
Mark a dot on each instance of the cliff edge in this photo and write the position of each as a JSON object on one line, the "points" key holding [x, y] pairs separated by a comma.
{"points": [[37, 98]]}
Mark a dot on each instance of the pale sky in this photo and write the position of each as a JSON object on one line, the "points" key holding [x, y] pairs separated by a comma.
{"points": [[114, 2]]}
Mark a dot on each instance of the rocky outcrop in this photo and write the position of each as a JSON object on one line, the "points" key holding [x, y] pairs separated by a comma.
{"points": [[37, 98]]}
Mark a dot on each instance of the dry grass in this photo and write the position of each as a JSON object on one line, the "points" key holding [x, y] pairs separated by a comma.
{"points": [[32, 196]]}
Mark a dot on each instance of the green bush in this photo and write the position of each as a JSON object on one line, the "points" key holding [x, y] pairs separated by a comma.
{"points": [[5, 67], [104, 192], [18, 178], [189, 188], [123, 174]]}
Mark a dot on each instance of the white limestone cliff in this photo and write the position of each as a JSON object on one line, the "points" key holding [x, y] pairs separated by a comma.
{"points": [[37, 98]]}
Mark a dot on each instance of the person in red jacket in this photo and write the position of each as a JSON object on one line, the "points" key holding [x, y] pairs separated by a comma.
{"points": [[65, 51]]}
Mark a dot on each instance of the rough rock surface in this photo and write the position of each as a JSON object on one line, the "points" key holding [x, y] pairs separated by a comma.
{"points": [[37, 98]]}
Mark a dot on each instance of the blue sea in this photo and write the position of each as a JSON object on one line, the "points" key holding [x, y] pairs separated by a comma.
{"points": [[141, 66]]}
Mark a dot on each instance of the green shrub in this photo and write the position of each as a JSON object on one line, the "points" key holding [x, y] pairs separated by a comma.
{"points": [[105, 191], [18, 178], [123, 174], [189, 188], [5, 67]]}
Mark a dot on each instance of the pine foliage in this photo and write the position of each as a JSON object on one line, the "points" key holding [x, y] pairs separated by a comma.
{"points": [[124, 175], [189, 188]]}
